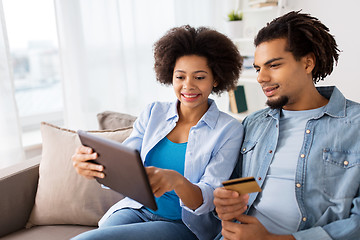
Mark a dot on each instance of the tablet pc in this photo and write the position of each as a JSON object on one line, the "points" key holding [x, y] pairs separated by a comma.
{"points": [[123, 168]]}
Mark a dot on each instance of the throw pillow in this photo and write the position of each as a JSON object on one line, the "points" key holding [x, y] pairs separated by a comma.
{"points": [[114, 120], [63, 196]]}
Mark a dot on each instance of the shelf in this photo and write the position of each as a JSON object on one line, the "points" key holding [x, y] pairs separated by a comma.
{"points": [[260, 9], [254, 19], [243, 40], [248, 76], [245, 46]]}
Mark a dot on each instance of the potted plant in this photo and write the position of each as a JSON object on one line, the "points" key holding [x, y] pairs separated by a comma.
{"points": [[234, 24], [235, 16]]}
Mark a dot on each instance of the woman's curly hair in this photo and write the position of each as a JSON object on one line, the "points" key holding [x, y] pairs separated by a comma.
{"points": [[223, 57], [305, 34]]}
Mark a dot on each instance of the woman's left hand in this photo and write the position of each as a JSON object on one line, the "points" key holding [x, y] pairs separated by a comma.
{"points": [[163, 180]]}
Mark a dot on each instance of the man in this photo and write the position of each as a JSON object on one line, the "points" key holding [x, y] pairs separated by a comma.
{"points": [[304, 150]]}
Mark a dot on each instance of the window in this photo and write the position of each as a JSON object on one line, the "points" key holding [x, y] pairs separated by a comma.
{"points": [[31, 30]]}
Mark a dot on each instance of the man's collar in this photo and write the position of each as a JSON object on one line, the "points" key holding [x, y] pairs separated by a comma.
{"points": [[336, 106]]}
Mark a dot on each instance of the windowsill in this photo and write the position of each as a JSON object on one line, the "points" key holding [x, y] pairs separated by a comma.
{"points": [[31, 134], [31, 138], [32, 143]]}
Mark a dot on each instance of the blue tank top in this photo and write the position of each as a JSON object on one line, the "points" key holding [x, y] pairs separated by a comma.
{"points": [[168, 155]]}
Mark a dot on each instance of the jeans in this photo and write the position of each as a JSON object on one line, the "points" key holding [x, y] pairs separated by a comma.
{"points": [[138, 224]]}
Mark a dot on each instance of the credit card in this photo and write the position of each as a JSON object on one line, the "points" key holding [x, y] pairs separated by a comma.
{"points": [[242, 185]]}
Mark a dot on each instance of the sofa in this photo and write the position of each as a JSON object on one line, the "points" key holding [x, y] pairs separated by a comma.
{"points": [[44, 197]]}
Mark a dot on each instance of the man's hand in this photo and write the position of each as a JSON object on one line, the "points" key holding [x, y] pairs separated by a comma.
{"points": [[249, 229], [229, 204]]}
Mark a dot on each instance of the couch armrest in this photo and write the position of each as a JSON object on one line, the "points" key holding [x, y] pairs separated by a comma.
{"points": [[18, 185]]}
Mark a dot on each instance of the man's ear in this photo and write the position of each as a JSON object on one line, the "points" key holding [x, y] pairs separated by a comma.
{"points": [[309, 62]]}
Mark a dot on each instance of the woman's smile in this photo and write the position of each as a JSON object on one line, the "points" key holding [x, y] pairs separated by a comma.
{"points": [[190, 97]]}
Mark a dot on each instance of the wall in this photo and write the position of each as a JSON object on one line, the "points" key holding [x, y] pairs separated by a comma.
{"points": [[342, 19]]}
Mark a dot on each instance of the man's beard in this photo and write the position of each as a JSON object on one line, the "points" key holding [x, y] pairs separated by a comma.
{"points": [[278, 103]]}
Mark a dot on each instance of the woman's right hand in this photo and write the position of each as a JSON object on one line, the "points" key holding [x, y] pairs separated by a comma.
{"points": [[82, 165]]}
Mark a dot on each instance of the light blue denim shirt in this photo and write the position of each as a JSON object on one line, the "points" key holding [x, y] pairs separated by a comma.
{"points": [[328, 167], [211, 154]]}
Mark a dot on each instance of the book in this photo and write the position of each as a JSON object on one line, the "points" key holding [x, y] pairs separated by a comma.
{"points": [[237, 100]]}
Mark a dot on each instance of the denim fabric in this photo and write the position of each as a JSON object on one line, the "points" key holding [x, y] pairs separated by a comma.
{"points": [[328, 167], [138, 224], [211, 154]]}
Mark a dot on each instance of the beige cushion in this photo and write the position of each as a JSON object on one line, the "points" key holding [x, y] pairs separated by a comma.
{"points": [[63, 196], [114, 120]]}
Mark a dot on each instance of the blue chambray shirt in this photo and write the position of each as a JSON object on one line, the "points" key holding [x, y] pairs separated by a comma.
{"points": [[211, 154], [328, 167]]}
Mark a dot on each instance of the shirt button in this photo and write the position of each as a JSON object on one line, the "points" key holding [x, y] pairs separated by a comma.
{"points": [[346, 163], [259, 178], [270, 151], [298, 185], [304, 219], [307, 131], [302, 155], [244, 149]]}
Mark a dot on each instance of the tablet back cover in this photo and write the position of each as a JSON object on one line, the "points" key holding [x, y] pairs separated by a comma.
{"points": [[123, 168]]}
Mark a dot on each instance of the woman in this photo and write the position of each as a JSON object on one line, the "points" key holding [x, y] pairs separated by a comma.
{"points": [[188, 146]]}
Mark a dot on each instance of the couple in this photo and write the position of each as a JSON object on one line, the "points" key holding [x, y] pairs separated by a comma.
{"points": [[304, 150]]}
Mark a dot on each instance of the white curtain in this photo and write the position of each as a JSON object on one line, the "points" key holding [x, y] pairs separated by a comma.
{"points": [[11, 150], [106, 51]]}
